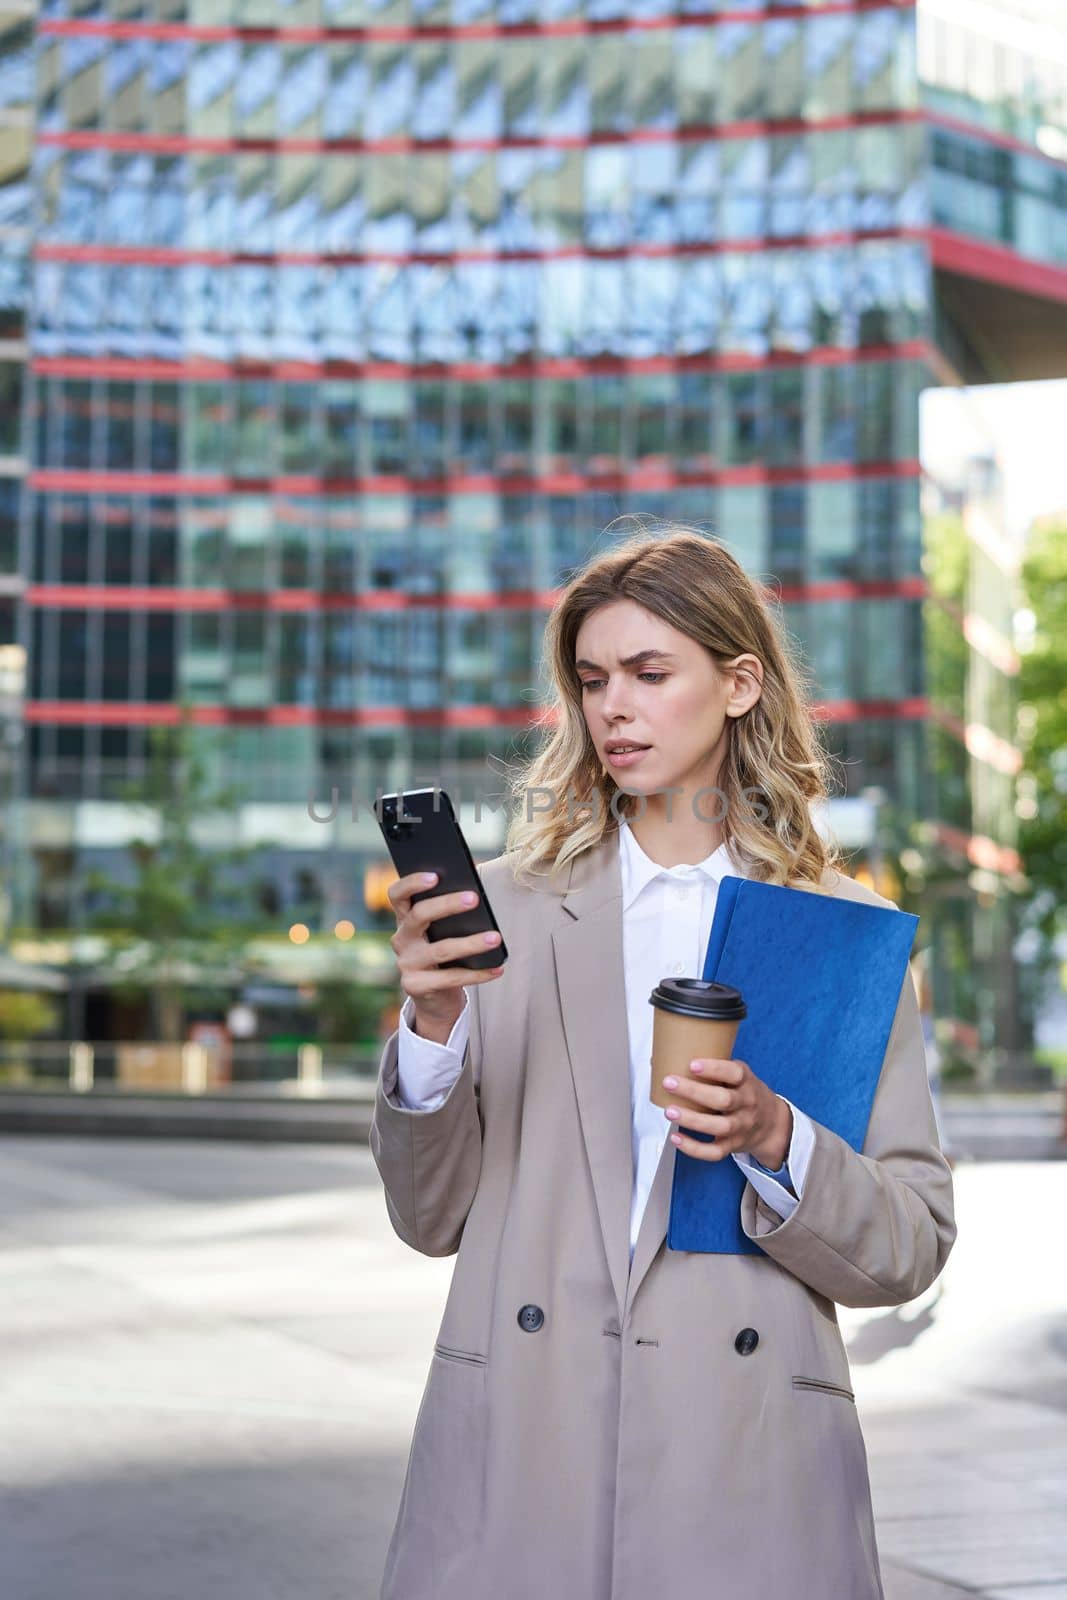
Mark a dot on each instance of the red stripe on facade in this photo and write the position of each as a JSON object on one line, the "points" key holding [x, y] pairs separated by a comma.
{"points": [[156, 256], [472, 30], [198, 369], [73, 481], [996, 263], [84, 713], [100, 597], [190, 144]]}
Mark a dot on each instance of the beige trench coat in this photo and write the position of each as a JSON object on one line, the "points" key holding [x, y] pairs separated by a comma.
{"points": [[591, 1430]]}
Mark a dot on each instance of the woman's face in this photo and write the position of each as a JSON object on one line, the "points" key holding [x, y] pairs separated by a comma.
{"points": [[675, 702]]}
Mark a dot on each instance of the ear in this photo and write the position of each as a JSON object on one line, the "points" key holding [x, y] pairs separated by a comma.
{"points": [[746, 677]]}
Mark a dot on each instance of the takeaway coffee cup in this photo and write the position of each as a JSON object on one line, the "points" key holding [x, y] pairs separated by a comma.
{"points": [[692, 1019]]}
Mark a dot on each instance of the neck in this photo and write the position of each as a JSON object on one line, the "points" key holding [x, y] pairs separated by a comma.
{"points": [[674, 831]]}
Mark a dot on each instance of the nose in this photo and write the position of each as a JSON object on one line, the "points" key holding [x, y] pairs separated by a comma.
{"points": [[613, 704]]}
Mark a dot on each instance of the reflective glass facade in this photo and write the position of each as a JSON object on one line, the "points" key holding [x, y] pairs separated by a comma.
{"points": [[348, 340]]}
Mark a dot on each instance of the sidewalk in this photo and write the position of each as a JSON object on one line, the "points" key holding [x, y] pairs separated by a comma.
{"points": [[214, 1356]]}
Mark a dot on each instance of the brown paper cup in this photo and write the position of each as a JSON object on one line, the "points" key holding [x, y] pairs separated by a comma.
{"points": [[677, 1040]]}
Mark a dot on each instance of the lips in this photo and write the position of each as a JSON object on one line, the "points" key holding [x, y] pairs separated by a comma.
{"points": [[617, 749]]}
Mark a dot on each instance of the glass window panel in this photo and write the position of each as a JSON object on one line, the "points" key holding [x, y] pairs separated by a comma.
{"points": [[783, 45], [699, 183], [434, 90], [474, 519], [343, 336], [341, 525], [115, 640], [385, 549], [124, 78], [746, 301], [788, 529], [255, 428], [468, 657], [119, 409], [115, 521], [746, 420], [829, 647], [250, 674], [299, 442], [559, 396], [72, 669], [650, 74], [832, 202], [563, 286], [166, 211], [341, 429], [205, 298], [301, 91], [874, 403], [72, 424], [249, 544], [651, 305], [299, 204], [168, 73], [389, 227], [877, 529], [296, 660], [695, 82], [742, 524], [295, 532], [602, 401], [789, 179], [739, 71], [695, 413], [520, 61], [256, 91], [874, 61], [161, 539], [211, 203], [431, 201], [346, 91], [653, 170], [607, 197], [792, 311], [298, 312], [253, 312], [202, 535], [430, 539], [212, 77], [476, 198], [565, 88], [517, 427], [837, 413], [74, 527], [479, 98], [745, 169], [652, 412], [828, 65], [387, 408], [700, 304], [390, 91], [254, 214], [83, 80], [209, 440], [832, 536], [472, 450], [786, 422]]}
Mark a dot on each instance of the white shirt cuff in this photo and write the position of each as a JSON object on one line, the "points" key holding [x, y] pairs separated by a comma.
{"points": [[426, 1070], [771, 1189]]}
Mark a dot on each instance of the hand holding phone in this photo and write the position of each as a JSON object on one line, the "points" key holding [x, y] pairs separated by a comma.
{"points": [[423, 835], [437, 991]]}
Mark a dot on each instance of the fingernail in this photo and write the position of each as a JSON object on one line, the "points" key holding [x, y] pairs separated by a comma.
{"points": [[676, 1138], [670, 1083], [469, 899], [696, 1066], [429, 877]]}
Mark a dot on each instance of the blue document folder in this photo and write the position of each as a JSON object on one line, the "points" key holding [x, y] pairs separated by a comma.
{"points": [[821, 978]]}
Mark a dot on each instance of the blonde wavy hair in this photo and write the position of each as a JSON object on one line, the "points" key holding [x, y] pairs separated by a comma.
{"points": [[690, 580]]}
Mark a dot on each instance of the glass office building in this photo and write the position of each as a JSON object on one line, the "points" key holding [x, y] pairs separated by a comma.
{"points": [[340, 331]]}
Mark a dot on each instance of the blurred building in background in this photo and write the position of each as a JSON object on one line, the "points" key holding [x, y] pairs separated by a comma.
{"points": [[336, 332]]}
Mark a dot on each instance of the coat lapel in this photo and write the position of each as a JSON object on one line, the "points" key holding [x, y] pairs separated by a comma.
{"points": [[588, 953]]}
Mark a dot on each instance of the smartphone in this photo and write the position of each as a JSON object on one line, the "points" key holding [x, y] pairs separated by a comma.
{"points": [[422, 834]]}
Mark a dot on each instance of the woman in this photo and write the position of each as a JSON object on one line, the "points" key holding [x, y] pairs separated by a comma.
{"points": [[605, 1418]]}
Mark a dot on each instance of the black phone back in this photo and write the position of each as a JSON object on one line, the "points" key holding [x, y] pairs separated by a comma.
{"points": [[423, 834]]}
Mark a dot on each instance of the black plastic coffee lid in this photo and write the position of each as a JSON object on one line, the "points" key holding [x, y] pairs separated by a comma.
{"points": [[696, 997]]}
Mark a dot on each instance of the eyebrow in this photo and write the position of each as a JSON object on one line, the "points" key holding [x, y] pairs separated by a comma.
{"points": [[632, 661]]}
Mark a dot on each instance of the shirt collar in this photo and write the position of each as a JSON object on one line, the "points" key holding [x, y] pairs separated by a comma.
{"points": [[638, 869]]}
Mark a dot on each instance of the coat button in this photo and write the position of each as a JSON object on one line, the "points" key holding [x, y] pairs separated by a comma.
{"points": [[746, 1341], [531, 1318]]}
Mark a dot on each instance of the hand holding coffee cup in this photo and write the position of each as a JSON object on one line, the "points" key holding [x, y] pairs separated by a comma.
{"points": [[695, 1078]]}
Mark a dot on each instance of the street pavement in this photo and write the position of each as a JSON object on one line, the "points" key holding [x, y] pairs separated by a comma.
{"points": [[213, 1356]]}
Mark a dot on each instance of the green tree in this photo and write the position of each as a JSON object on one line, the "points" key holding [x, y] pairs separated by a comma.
{"points": [[187, 910], [1043, 724]]}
